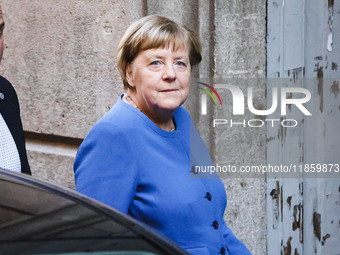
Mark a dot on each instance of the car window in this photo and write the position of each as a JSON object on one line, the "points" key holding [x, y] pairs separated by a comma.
{"points": [[40, 219], [104, 253]]}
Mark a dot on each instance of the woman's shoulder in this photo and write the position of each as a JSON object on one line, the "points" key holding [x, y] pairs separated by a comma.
{"points": [[182, 112], [182, 115], [183, 120], [120, 118]]}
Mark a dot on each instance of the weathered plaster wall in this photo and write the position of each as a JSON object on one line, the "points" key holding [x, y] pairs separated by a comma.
{"points": [[60, 56], [304, 52]]}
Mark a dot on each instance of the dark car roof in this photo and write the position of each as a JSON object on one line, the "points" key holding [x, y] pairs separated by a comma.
{"points": [[37, 217]]}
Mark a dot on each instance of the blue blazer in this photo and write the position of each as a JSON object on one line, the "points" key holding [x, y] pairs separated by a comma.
{"points": [[129, 163]]}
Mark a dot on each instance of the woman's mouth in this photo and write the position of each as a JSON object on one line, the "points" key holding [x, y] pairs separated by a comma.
{"points": [[169, 90]]}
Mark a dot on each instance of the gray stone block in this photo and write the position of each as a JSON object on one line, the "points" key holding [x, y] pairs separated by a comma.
{"points": [[61, 58]]}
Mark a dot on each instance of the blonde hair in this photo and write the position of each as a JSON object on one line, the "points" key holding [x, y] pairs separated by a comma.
{"points": [[152, 32]]}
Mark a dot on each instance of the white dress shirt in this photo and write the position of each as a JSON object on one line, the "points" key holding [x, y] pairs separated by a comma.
{"points": [[9, 156]]}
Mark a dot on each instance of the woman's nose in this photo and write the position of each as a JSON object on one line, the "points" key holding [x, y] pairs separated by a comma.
{"points": [[169, 73]]}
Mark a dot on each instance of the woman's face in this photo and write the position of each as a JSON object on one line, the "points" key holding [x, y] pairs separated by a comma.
{"points": [[161, 78]]}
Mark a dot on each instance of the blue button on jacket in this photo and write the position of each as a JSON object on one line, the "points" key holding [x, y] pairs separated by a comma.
{"points": [[129, 163]]}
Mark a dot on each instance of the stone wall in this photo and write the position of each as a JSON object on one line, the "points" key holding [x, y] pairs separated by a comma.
{"points": [[60, 56]]}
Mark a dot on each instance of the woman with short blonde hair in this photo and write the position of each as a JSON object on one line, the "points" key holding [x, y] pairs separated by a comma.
{"points": [[138, 157]]}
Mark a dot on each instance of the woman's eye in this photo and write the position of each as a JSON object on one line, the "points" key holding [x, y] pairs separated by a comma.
{"points": [[180, 63], [156, 63]]}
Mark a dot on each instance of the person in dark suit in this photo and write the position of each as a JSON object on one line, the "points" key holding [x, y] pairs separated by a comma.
{"points": [[12, 141]]}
